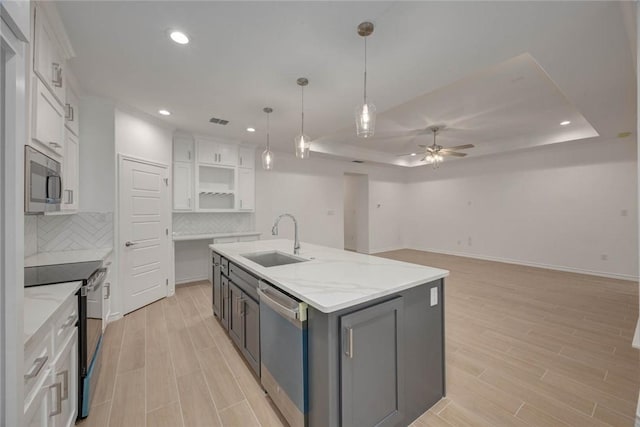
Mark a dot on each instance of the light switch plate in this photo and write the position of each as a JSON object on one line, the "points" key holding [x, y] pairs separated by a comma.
{"points": [[434, 296]]}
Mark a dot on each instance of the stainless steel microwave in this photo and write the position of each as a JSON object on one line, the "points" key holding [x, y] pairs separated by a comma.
{"points": [[42, 183]]}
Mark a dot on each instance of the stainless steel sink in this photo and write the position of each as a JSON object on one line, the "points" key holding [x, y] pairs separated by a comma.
{"points": [[272, 258]]}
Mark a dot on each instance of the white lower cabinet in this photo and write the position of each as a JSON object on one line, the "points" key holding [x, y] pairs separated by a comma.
{"points": [[37, 413], [64, 375], [51, 371]]}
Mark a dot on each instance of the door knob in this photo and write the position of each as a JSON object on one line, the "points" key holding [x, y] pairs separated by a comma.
{"points": [[127, 244]]}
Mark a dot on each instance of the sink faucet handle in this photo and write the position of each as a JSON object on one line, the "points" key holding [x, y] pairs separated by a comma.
{"points": [[274, 230]]}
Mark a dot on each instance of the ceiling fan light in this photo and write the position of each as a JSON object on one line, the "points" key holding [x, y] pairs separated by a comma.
{"points": [[365, 120], [302, 144]]}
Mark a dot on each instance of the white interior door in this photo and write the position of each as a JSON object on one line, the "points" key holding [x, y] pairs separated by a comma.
{"points": [[144, 232]]}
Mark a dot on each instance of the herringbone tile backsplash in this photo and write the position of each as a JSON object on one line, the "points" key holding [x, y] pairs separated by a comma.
{"points": [[203, 223], [85, 230]]}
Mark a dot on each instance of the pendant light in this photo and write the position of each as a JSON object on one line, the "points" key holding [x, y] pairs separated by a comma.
{"points": [[365, 113], [302, 142], [267, 155]]}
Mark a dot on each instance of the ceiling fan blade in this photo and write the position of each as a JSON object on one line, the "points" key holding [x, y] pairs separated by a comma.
{"points": [[423, 159], [460, 147], [407, 154], [452, 153]]}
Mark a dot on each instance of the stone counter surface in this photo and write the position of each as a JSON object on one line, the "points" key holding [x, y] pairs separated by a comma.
{"points": [[332, 279]]}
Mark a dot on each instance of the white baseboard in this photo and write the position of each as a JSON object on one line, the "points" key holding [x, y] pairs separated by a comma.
{"points": [[190, 279], [112, 317], [533, 264], [386, 249]]}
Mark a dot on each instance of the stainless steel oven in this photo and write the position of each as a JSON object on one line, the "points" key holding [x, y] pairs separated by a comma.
{"points": [[42, 183]]}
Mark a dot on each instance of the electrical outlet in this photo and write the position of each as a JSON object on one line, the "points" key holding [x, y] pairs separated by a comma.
{"points": [[331, 212], [434, 296], [604, 257]]}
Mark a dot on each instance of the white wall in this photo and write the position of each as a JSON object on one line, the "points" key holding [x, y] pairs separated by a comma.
{"points": [[97, 148], [356, 212], [562, 206], [312, 191]]}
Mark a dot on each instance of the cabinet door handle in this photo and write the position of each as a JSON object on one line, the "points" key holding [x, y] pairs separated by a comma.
{"points": [[127, 244], [57, 75], [240, 203], [349, 352], [189, 201], [37, 367], [108, 287], [58, 389], [65, 384], [189, 155], [55, 144], [69, 112]]}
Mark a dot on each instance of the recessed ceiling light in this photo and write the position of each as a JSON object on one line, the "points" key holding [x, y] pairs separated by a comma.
{"points": [[413, 154], [164, 112], [251, 130], [179, 37], [566, 122]]}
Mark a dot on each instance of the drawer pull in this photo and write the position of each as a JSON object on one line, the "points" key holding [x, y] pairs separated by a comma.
{"points": [[37, 367], [108, 287], [65, 384], [58, 410], [350, 346]]}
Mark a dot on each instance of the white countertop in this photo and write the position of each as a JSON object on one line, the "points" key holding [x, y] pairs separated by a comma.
{"points": [[178, 236], [65, 257], [41, 303], [332, 279]]}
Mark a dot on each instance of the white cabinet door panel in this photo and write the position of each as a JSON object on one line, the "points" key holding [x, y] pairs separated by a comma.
{"points": [[246, 189], [182, 186], [47, 120], [48, 62]]}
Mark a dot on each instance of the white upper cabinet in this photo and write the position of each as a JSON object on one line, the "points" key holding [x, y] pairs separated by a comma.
{"points": [[47, 121], [217, 153], [246, 157], [48, 58], [246, 189], [183, 149], [70, 173], [183, 186], [71, 109]]}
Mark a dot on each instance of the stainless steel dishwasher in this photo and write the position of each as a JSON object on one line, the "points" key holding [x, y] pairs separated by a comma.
{"points": [[283, 352]]}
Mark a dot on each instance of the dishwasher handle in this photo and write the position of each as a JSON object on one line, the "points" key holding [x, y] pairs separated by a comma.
{"points": [[283, 304]]}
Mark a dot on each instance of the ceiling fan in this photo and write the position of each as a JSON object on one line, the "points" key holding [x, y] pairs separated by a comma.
{"points": [[435, 153]]}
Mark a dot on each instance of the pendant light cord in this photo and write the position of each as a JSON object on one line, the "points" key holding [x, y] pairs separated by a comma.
{"points": [[267, 131], [302, 126], [365, 69]]}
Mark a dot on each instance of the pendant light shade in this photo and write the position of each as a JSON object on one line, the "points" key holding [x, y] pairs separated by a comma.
{"points": [[302, 143], [267, 155], [366, 112]]}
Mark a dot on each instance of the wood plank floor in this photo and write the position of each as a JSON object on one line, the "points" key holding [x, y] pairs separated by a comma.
{"points": [[525, 347]]}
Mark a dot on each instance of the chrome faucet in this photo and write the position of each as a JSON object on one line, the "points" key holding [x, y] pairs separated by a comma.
{"points": [[296, 243]]}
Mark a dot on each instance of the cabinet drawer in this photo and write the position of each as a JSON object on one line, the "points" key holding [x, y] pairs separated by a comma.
{"points": [[247, 282], [65, 323], [37, 358]]}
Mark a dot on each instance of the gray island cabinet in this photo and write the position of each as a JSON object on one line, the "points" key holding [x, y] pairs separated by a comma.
{"points": [[372, 351]]}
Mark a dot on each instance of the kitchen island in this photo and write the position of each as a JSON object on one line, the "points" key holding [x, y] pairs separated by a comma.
{"points": [[337, 338]]}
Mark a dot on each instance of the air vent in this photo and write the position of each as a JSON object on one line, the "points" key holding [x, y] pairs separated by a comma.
{"points": [[357, 161], [218, 121]]}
